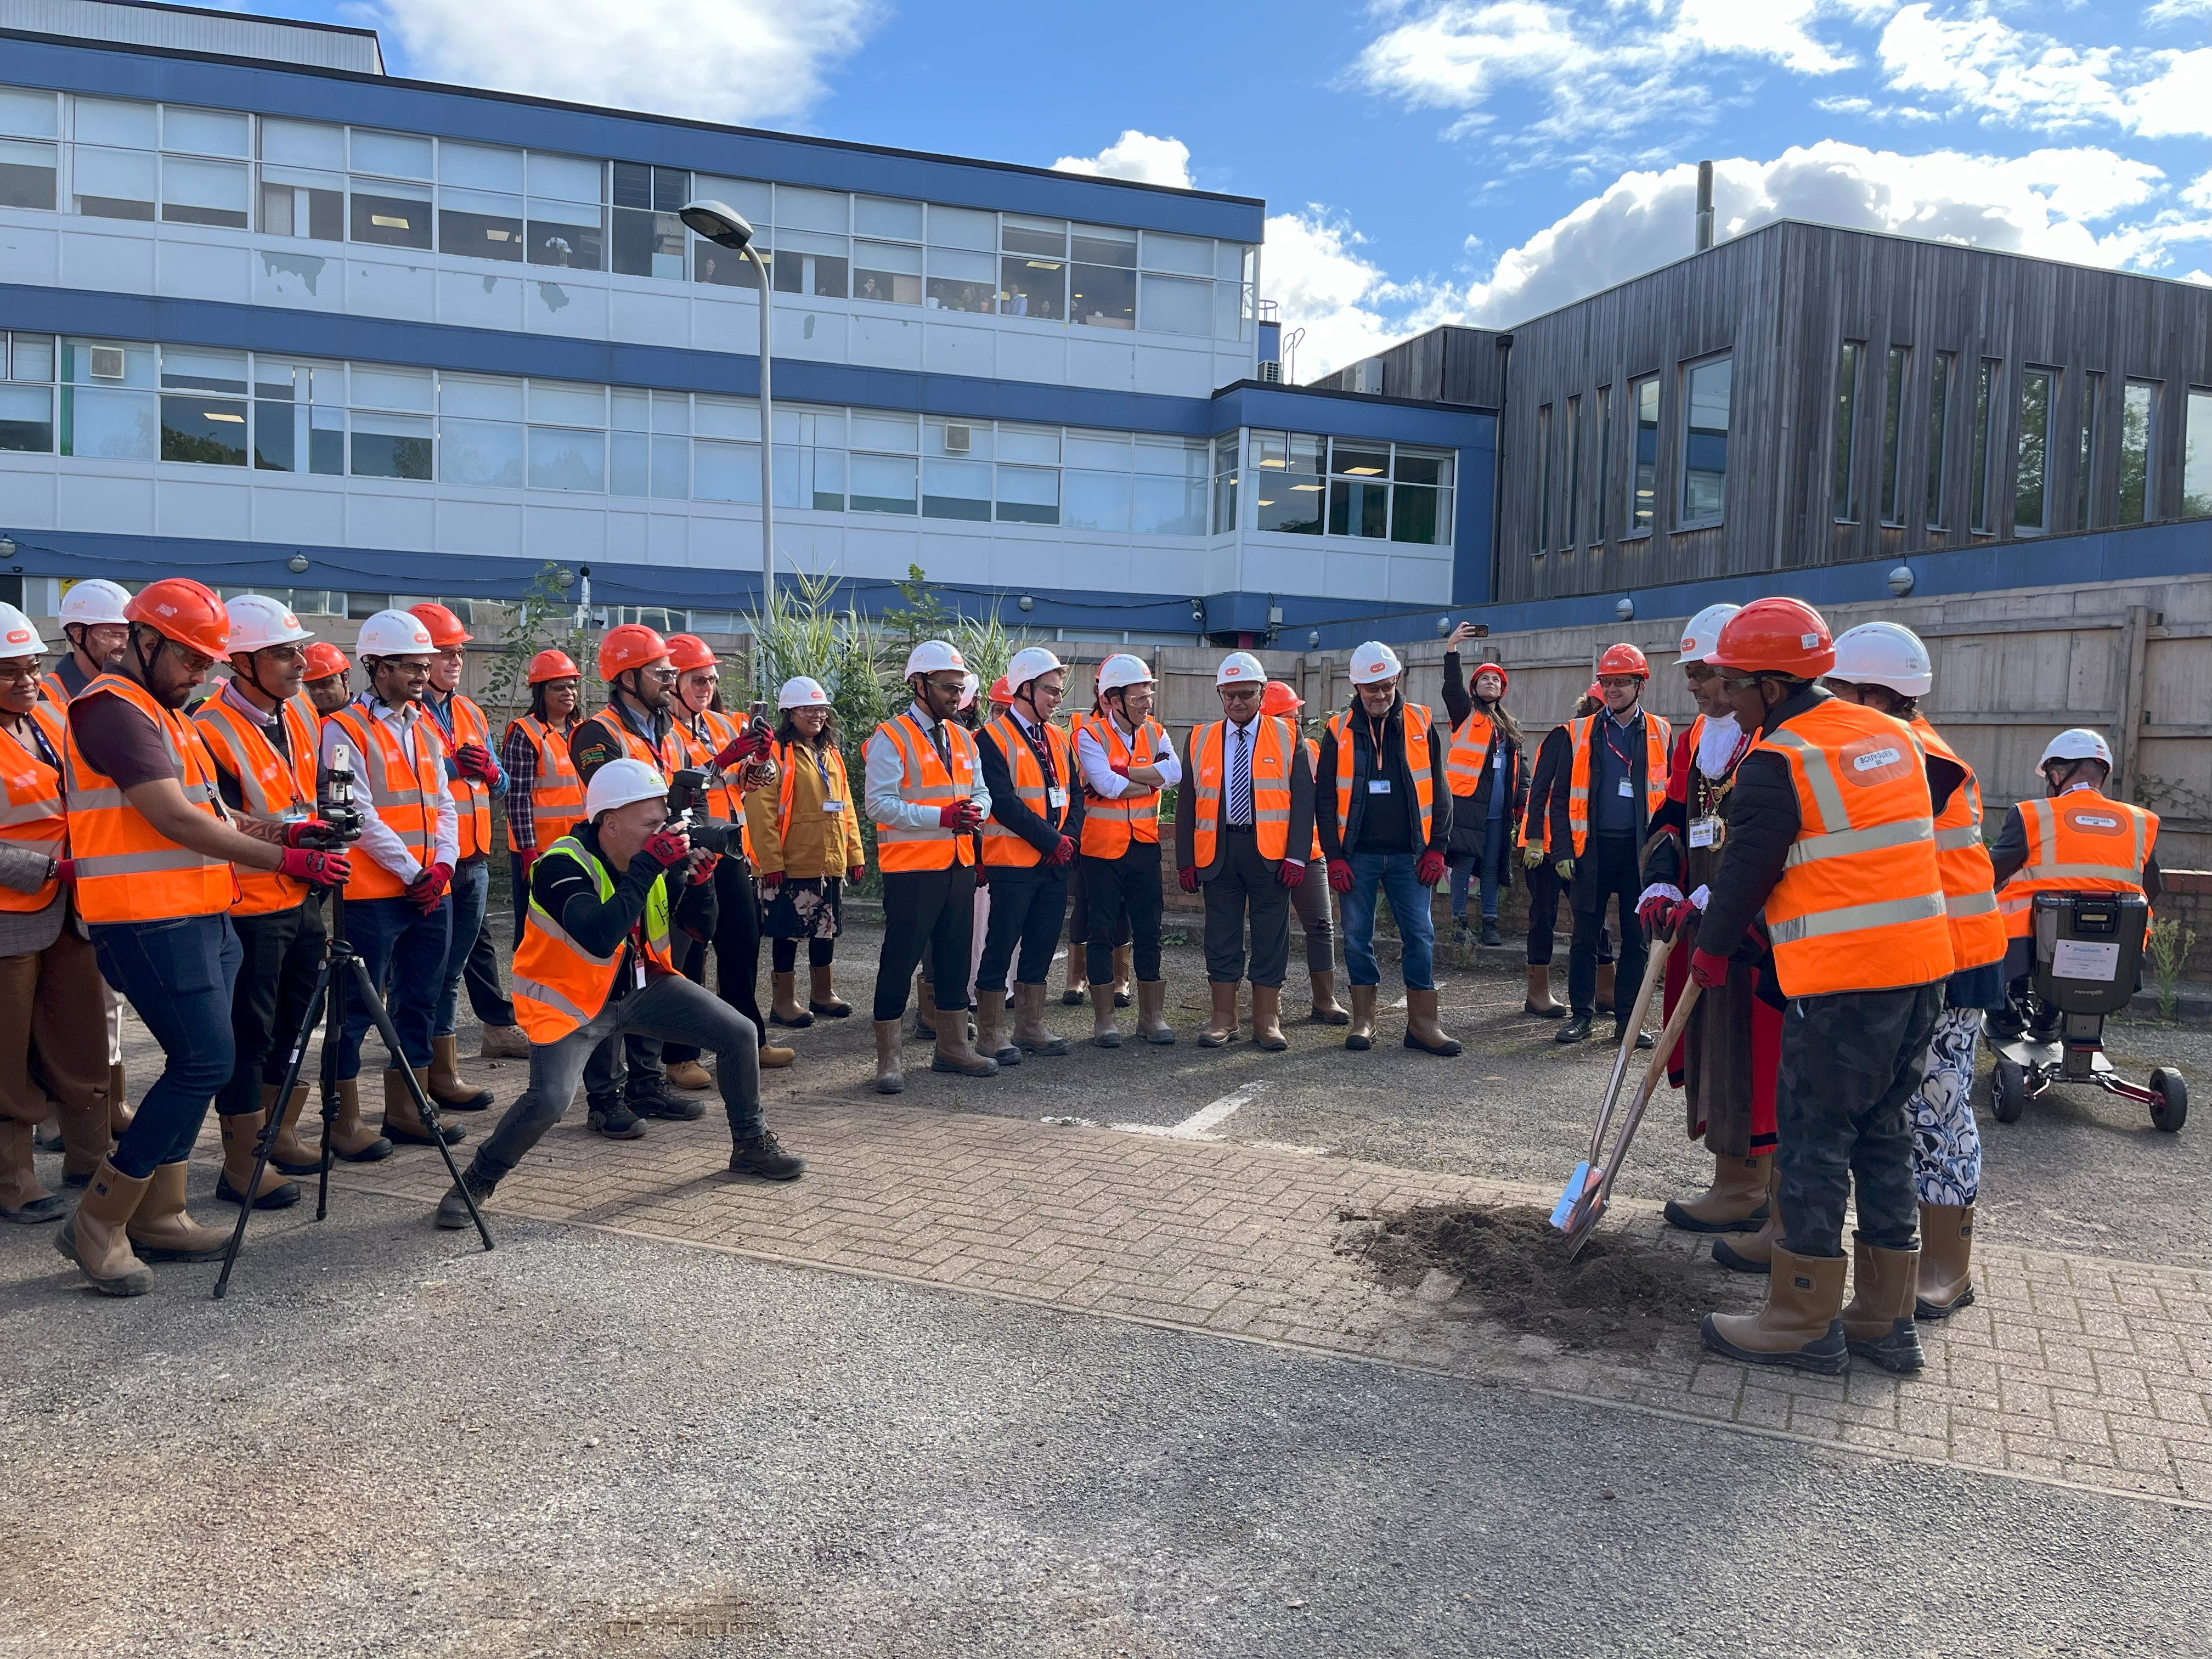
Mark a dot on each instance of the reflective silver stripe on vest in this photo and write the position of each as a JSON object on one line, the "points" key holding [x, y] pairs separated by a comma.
{"points": [[920, 793], [145, 863], [1819, 778], [530, 990], [1843, 842], [1855, 918], [1970, 904], [30, 812], [1958, 837]]}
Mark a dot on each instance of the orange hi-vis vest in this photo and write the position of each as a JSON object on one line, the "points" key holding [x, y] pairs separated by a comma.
{"points": [[32, 812], [1970, 899], [1313, 765], [556, 793], [558, 984], [1415, 741], [1001, 845], [929, 780], [1469, 753], [56, 692], [1273, 741], [471, 796], [2081, 843], [1860, 904], [405, 794], [698, 748], [665, 760], [273, 787], [127, 870], [1657, 736], [1108, 826]]}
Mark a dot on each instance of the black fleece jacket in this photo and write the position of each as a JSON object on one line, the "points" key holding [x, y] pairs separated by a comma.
{"points": [[561, 887]]}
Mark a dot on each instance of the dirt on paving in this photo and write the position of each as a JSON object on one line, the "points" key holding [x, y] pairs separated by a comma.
{"points": [[1621, 1295]]}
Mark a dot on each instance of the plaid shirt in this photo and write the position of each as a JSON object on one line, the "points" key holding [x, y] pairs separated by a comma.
{"points": [[517, 758]]}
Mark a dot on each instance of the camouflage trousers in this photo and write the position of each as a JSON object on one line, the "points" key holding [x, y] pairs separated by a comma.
{"points": [[1850, 1064]]}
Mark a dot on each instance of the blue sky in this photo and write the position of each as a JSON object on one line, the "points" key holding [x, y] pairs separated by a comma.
{"points": [[1427, 159]]}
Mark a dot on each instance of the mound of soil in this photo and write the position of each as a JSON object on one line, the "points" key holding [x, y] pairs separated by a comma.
{"points": [[1619, 1295]]}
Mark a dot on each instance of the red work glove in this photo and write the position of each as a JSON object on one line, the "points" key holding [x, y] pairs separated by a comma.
{"points": [[1429, 868], [856, 875], [427, 888], [1708, 969], [1062, 855], [1679, 914], [310, 832], [769, 880], [959, 814], [1290, 873], [667, 848], [66, 871], [1340, 874], [702, 869], [1656, 905], [312, 865], [529, 856], [742, 747], [473, 760], [983, 874], [1186, 878]]}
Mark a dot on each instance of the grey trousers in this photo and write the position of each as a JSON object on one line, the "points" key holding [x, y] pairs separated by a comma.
{"points": [[1309, 898], [669, 1008], [1244, 883]]}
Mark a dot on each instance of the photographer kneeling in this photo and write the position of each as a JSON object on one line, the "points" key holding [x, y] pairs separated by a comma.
{"points": [[594, 964]]}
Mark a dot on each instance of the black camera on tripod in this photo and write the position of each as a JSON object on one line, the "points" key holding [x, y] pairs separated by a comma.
{"points": [[334, 797], [686, 810]]}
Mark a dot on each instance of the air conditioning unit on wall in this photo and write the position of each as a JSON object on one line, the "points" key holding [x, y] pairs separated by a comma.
{"points": [[1367, 376], [107, 363], [959, 440]]}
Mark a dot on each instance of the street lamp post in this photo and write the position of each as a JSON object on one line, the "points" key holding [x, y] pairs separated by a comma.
{"points": [[725, 227]]}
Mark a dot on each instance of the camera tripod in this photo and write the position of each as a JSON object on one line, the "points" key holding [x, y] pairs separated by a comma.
{"points": [[326, 1004]]}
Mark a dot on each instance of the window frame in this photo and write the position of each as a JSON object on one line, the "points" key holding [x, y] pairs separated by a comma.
{"points": [[1686, 378]]}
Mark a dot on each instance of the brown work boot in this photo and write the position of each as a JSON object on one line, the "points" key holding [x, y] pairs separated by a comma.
{"points": [[1604, 997], [1077, 989], [444, 1079], [889, 1080], [1267, 1018], [774, 1056], [1735, 1203], [242, 1151], [1122, 981], [821, 996], [1878, 1320], [991, 1027], [955, 1053], [22, 1198], [161, 1230], [925, 1008], [1105, 1029], [87, 1132], [403, 1122], [1153, 1011], [1799, 1327], [1327, 1011], [1947, 1249], [1539, 1000], [1221, 1025], [351, 1138], [97, 1236], [1031, 1034], [503, 1042], [783, 1003], [291, 1153], [119, 1102], [1423, 1030], [1361, 1036], [687, 1074], [1755, 1253]]}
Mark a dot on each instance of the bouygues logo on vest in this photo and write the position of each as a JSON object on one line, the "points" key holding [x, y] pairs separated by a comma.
{"points": [[2094, 824], [1871, 760]]}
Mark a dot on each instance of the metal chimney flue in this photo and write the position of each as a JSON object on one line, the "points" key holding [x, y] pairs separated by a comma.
{"points": [[1704, 205]]}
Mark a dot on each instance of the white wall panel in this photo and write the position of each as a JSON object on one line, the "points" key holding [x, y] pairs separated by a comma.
{"points": [[628, 536], [649, 317], [1162, 569], [565, 307], [479, 300], [289, 275], [1110, 363], [115, 265], [379, 288], [204, 270], [30, 254], [408, 522], [961, 349], [805, 331], [1174, 372], [476, 526], [204, 507], [118, 504], [871, 550], [26, 495], [886, 342], [1026, 356], [297, 511], [564, 532], [1419, 581]]}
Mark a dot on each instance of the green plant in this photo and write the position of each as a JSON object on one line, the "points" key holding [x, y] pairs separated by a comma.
{"points": [[2169, 945], [920, 615], [986, 646], [803, 632], [544, 617]]}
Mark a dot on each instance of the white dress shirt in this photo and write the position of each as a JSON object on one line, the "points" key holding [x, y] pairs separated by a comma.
{"points": [[380, 843], [1108, 785]]}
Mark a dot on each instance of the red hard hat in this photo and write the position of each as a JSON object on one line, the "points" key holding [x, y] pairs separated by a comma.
{"points": [[1596, 690], [1620, 660], [324, 659], [445, 630], [688, 651], [180, 609], [1504, 679], [1002, 694], [1776, 636], [552, 665], [631, 646], [1280, 697]]}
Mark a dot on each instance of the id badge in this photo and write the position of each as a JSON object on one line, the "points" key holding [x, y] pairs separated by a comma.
{"points": [[1704, 832], [1627, 791], [1056, 796], [833, 806], [1378, 786]]}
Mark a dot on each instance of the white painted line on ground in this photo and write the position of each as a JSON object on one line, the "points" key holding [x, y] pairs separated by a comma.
{"points": [[1200, 1125]]}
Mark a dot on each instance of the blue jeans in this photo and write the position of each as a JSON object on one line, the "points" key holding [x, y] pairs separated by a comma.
{"points": [[405, 951], [178, 974], [1393, 872], [1494, 863], [471, 892]]}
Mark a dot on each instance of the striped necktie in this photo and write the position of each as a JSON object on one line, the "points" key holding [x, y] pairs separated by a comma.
{"points": [[1240, 776]]}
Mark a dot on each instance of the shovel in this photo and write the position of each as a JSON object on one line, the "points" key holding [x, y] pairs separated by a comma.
{"points": [[1655, 975], [1588, 1211]]}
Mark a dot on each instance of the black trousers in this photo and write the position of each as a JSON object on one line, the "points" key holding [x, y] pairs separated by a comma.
{"points": [[1123, 896], [926, 914], [1243, 888], [1028, 905], [280, 954], [737, 940], [1605, 874], [784, 953], [1544, 890], [1079, 922]]}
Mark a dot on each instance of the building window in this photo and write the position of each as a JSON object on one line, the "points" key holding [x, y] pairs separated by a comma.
{"points": [[1286, 483], [27, 398], [203, 410], [1643, 488], [1224, 483], [1944, 369], [1574, 472], [1033, 268], [1604, 496], [29, 170], [2197, 456], [1709, 390], [1843, 492], [1543, 479], [303, 179], [1359, 489], [2138, 428], [647, 238], [2085, 455], [1893, 434], [2032, 468], [1985, 417], [1421, 495]]}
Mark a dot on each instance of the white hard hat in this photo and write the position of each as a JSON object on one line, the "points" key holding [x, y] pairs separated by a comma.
{"points": [[94, 600], [970, 684], [932, 657], [800, 692], [18, 638], [1120, 669], [1883, 654], [1241, 668], [2075, 743], [1374, 661], [394, 634], [258, 622], [620, 782], [1704, 632], [1031, 662]]}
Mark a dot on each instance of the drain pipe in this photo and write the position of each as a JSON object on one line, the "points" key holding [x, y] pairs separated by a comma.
{"points": [[1704, 205]]}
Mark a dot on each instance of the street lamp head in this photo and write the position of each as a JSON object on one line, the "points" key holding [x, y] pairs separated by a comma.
{"points": [[717, 222]]}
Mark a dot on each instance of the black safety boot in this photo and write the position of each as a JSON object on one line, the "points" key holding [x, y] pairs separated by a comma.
{"points": [[1643, 1038], [654, 1098], [1576, 1029], [610, 1115], [1490, 933], [761, 1154], [453, 1208]]}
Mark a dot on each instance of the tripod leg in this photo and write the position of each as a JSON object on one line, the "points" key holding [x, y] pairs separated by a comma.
{"points": [[274, 1120], [333, 1032], [423, 1104]]}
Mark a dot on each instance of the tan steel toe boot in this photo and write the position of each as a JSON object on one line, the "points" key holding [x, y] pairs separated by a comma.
{"points": [[1122, 981], [1105, 1029], [1878, 1321], [22, 1198], [687, 1074], [1947, 1250], [403, 1123], [783, 1005], [991, 1036], [1361, 1036], [889, 1080], [821, 996], [1604, 997], [160, 1229], [1539, 1000], [291, 1153], [1799, 1327], [96, 1236], [242, 1151], [503, 1042], [445, 1083], [955, 1053], [1423, 1030], [1221, 1025], [1267, 1018], [1735, 1203], [1755, 1253], [1153, 1011], [1031, 1034], [1327, 1011], [351, 1138]]}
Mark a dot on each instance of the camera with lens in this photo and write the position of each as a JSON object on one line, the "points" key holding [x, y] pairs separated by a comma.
{"points": [[334, 803], [686, 810]]}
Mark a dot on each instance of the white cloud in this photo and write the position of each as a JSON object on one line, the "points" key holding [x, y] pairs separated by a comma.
{"points": [[738, 61], [1137, 156], [1312, 268], [1981, 65]]}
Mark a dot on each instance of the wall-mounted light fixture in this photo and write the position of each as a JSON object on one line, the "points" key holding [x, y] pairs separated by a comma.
{"points": [[1902, 581], [1625, 610], [1026, 603], [296, 564]]}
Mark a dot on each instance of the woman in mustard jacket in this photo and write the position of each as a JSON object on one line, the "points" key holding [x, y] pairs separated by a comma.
{"points": [[806, 847]]}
